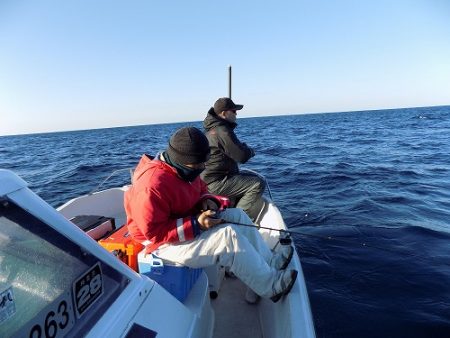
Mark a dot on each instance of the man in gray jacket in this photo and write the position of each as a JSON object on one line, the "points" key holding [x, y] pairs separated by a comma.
{"points": [[222, 171]]}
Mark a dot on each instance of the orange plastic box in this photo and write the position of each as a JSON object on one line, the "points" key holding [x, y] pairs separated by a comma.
{"points": [[123, 246]]}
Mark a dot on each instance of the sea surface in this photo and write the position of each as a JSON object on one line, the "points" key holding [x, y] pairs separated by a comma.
{"points": [[367, 192]]}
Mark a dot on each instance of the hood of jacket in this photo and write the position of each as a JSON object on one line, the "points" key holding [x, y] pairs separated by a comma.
{"points": [[212, 121], [148, 162]]}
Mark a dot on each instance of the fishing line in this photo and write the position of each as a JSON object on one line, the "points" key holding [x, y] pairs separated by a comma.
{"points": [[289, 232]]}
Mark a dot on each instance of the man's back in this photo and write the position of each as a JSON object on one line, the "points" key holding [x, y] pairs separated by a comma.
{"points": [[226, 149], [156, 194]]}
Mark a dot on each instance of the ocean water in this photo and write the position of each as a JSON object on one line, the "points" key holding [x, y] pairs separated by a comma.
{"points": [[367, 193]]}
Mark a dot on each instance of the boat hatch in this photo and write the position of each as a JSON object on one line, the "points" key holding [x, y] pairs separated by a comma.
{"points": [[49, 286]]}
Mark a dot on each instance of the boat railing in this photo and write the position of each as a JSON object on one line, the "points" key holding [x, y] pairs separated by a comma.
{"points": [[130, 170], [260, 176], [97, 188]]}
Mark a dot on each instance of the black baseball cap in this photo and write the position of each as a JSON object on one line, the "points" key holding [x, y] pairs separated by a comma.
{"points": [[225, 103]]}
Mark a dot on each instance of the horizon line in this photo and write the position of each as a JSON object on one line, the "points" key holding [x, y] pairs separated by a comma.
{"points": [[247, 117]]}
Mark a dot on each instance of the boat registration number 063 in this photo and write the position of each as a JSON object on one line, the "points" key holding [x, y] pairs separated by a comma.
{"points": [[87, 289], [54, 321], [58, 318]]}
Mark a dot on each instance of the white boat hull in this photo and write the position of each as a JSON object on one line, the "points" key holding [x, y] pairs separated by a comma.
{"points": [[140, 302], [290, 317]]}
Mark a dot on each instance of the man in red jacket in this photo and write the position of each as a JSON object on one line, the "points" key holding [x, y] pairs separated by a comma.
{"points": [[170, 211]]}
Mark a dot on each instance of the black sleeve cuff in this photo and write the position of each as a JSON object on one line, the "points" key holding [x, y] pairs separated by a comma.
{"points": [[195, 226]]}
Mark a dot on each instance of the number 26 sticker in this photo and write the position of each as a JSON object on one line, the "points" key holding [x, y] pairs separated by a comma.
{"points": [[87, 289]]}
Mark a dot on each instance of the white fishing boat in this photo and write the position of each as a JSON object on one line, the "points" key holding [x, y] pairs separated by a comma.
{"points": [[56, 281]]}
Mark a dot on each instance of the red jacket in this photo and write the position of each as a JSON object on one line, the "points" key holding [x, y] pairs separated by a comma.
{"points": [[160, 206]]}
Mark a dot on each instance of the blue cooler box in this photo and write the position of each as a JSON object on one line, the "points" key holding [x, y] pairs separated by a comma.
{"points": [[177, 279]]}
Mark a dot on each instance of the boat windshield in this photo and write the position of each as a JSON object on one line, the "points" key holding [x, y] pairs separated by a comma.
{"points": [[49, 286]]}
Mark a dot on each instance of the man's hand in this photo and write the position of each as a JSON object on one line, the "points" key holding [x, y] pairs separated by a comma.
{"points": [[206, 219], [252, 152]]}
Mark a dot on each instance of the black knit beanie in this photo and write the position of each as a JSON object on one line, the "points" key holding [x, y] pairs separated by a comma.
{"points": [[188, 146]]}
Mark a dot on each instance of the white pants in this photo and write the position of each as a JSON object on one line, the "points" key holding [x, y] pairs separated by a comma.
{"points": [[240, 248]]}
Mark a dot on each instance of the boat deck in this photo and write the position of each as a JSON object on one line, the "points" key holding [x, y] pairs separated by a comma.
{"points": [[234, 317]]}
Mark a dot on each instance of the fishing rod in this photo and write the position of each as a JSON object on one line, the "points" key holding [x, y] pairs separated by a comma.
{"points": [[229, 81], [288, 240]]}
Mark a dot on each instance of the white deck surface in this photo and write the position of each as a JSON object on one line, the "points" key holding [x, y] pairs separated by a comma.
{"points": [[234, 316]]}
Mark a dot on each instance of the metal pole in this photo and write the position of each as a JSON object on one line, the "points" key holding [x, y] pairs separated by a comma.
{"points": [[229, 81]]}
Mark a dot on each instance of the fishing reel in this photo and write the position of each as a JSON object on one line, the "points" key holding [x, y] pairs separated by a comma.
{"points": [[221, 202]]}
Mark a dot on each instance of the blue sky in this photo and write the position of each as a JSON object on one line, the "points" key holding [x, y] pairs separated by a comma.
{"points": [[75, 64]]}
